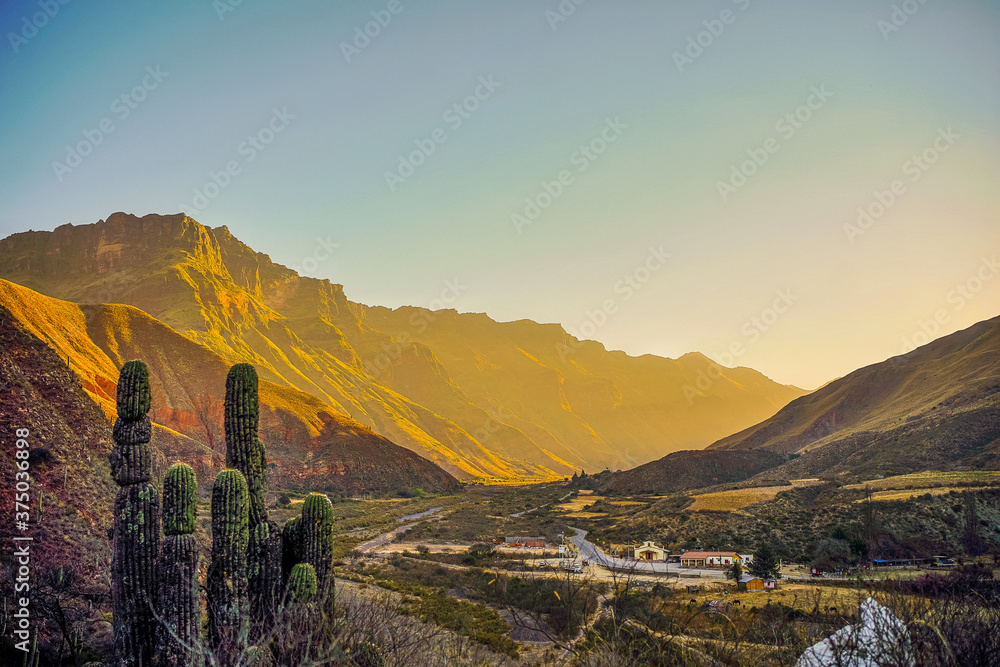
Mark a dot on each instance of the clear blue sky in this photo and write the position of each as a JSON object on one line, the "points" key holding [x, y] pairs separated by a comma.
{"points": [[853, 296]]}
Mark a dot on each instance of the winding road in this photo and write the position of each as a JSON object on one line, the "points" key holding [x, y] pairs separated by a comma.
{"points": [[593, 553]]}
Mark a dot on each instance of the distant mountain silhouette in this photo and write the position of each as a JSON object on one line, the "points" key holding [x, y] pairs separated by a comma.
{"points": [[478, 397], [937, 407], [309, 446]]}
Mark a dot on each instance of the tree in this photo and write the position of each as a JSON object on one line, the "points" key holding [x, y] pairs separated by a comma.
{"points": [[871, 528], [832, 554], [734, 572], [972, 542], [765, 562]]}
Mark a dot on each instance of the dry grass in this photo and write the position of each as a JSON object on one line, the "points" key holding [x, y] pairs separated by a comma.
{"points": [[905, 494], [626, 503], [926, 480], [578, 503], [737, 499], [797, 596]]}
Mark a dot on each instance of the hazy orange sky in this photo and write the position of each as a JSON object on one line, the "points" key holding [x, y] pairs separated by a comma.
{"points": [[802, 188]]}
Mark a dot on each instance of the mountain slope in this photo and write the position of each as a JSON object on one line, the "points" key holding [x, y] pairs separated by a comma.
{"points": [[686, 470], [937, 407], [309, 445], [480, 398]]}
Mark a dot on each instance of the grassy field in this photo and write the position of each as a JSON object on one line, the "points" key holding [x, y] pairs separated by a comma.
{"points": [[732, 501], [904, 494], [737, 499], [358, 520], [928, 480], [579, 502]]}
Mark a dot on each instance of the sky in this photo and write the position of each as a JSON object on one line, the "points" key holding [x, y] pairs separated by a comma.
{"points": [[800, 188]]}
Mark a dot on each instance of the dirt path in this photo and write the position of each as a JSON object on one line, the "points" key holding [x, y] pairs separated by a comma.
{"points": [[385, 538]]}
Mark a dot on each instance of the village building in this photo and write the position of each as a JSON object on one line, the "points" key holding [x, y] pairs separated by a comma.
{"points": [[752, 583], [533, 542], [718, 559], [649, 552]]}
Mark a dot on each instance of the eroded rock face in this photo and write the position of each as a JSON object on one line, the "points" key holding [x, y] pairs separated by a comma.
{"points": [[478, 397]]}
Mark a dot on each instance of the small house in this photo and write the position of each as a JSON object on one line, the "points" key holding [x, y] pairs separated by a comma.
{"points": [[649, 552], [718, 559], [752, 583], [532, 542]]}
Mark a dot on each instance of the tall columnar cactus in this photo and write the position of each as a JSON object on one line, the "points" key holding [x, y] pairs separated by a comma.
{"points": [[302, 584], [179, 641], [291, 546], [136, 530], [244, 451], [317, 537], [264, 572], [228, 608]]}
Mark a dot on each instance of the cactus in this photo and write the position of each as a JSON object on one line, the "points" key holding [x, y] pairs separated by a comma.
{"points": [[133, 398], [180, 500], [228, 609], [291, 545], [131, 464], [136, 530], [317, 536], [302, 585], [179, 641], [264, 572], [245, 452]]}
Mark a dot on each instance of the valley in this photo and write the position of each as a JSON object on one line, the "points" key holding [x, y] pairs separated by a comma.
{"points": [[501, 489]]}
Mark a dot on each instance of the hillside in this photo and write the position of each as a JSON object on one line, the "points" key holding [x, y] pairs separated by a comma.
{"points": [[478, 397], [682, 471], [71, 492], [935, 408], [309, 445]]}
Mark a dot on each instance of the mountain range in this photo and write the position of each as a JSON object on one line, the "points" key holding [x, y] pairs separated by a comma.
{"points": [[934, 408], [479, 398]]}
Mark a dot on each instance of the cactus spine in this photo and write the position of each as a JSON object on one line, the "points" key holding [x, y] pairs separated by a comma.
{"points": [[136, 531], [227, 576], [179, 642], [317, 537]]}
